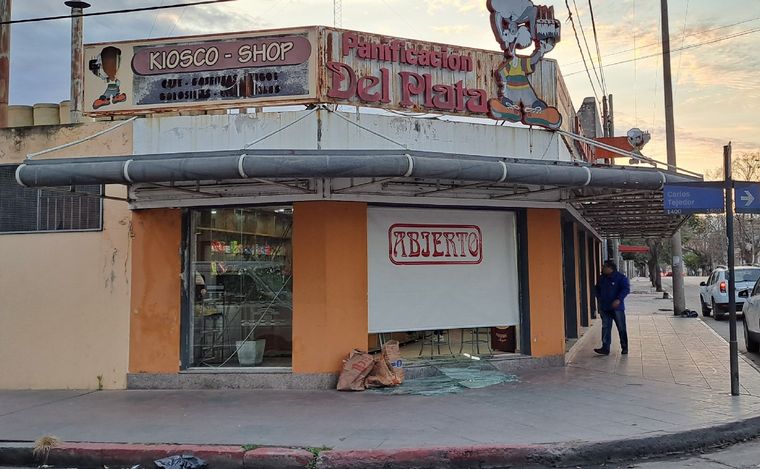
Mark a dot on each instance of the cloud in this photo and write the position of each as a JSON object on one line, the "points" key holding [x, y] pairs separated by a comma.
{"points": [[40, 52], [452, 29], [449, 6]]}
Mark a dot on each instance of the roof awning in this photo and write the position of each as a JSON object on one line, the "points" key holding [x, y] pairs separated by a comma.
{"points": [[627, 214], [616, 201]]}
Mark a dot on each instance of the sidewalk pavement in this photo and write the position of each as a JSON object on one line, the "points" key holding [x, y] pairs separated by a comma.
{"points": [[670, 393]]}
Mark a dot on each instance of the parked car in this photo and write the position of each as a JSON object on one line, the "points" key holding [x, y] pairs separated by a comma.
{"points": [[752, 317], [713, 293]]}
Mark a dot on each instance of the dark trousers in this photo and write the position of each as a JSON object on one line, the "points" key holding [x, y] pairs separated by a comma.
{"points": [[619, 318]]}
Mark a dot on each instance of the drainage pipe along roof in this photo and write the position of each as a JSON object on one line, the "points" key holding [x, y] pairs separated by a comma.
{"points": [[277, 164]]}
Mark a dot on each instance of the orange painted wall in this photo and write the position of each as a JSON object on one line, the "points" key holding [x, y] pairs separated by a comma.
{"points": [[590, 252], [578, 286], [547, 312], [154, 328], [329, 284]]}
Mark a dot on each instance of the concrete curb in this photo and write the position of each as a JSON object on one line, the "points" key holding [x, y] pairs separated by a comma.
{"points": [[95, 455]]}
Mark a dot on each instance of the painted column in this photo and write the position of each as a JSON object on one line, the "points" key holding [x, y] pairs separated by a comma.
{"points": [[154, 326], [547, 313], [329, 284], [5, 57]]}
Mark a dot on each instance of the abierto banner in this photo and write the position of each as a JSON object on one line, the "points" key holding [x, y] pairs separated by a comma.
{"points": [[441, 269]]}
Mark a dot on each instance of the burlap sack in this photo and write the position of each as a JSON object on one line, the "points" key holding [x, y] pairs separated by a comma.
{"points": [[355, 370], [393, 357], [381, 375]]}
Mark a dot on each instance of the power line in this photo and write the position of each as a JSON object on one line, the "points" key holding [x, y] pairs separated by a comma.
{"points": [[402, 16], [155, 20], [697, 33], [635, 68], [580, 48], [683, 41], [116, 12], [690, 46], [177, 22], [588, 49], [598, 50]]}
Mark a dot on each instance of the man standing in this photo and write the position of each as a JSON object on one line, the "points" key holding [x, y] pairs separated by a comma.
{"points": [[611, 291]]}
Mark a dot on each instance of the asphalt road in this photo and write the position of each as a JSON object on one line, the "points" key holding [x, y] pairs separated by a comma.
{"points": [[741, 456], [721, 327]]}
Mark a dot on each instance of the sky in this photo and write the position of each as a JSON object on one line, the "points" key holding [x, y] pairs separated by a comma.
{"points": [[716, 85]]}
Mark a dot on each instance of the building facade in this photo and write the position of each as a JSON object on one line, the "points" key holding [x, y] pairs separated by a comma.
{"points": [[194, 246]]}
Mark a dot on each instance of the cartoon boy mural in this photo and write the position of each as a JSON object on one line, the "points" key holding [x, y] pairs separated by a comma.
{"points": [[106, 66], [518, 24]]}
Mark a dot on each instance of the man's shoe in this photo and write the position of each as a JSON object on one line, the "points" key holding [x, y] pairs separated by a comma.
{"points": [[624, 351], [601, 351]]}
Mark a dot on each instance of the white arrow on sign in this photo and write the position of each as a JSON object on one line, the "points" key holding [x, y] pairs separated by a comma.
{"points": [[749, 198]]}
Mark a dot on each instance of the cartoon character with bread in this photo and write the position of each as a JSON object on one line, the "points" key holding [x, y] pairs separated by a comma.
{"points": [[518, 24], [106, 66]]}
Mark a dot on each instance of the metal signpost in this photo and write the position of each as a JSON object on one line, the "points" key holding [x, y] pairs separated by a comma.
{"points": [[718, 197], [732, 344]]}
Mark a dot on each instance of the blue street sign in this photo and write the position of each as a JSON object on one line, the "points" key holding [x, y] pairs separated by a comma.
{"points": [[747, 197], [688, 199]]}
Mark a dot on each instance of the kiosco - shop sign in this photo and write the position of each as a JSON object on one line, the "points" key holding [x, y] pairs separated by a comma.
{"points": [[324, 65], [233, 70]]}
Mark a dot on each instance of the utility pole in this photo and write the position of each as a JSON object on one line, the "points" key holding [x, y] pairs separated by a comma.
{"points": [[5, 60], [679, 299], [77, 58]]}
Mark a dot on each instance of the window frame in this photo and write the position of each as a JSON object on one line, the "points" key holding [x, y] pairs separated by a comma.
{"points": [[71, 190]]}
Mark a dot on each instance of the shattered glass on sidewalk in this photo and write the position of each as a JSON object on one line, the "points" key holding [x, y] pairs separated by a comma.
{"points": [[454, 377]]}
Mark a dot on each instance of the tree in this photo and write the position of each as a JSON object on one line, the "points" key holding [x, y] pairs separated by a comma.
{"points": [[747, 168], [707, 233]]}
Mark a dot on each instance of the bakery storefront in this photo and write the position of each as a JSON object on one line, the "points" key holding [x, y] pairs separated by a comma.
{"points": [[438, 279], [266, 242]]}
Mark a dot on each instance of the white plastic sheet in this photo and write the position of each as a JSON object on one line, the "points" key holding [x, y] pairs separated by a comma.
{"points": [[458, 271]]}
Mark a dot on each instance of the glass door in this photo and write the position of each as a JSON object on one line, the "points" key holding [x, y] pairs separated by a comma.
{"points": [[241, 308]]}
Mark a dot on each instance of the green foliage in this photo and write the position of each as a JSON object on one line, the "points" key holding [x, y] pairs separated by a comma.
{"points": [[316, 452]]}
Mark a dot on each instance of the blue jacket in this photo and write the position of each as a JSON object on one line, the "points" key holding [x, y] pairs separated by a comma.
{"points": [[609, 289]]}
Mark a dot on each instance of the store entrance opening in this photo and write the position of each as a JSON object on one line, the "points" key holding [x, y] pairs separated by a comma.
{"points": [[241, 303]]}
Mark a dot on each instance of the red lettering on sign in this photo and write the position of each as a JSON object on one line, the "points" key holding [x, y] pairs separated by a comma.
{"points": [[341, 73], [415, 89], [422, 244]]}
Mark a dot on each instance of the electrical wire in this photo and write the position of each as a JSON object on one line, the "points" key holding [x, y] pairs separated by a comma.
{"points": [[598, 50], [177, 22], [402, 16], [580, 48], [155, 20], [635, 69], [116, 12], [588, 49], [683, 41], [690, 46], [697, 33], [657, 79]]}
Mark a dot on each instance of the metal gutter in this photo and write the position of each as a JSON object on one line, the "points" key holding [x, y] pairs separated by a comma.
{"points": [[231, 165]]}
